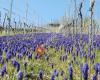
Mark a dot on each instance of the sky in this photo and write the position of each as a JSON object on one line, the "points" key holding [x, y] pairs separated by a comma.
{"points": [[45, 11]]}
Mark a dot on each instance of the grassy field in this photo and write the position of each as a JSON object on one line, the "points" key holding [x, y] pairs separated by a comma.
{"points": [[54, 57], [35, 65]]}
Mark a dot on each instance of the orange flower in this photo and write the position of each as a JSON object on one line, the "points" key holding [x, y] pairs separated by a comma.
{"points": [[40, 50]]}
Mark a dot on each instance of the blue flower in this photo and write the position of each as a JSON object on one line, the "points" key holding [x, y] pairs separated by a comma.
{"points": [[99, 68], [52, 65], [95, 66], [55, 73], [81, 66], [62, 58], [19, 75], [65, 78], [20, 56], [29, 56], [62, 72], [16, 65], [52, 77], [94, 77], [41, 74], [25, 65], [8, 56], [47, 57], [36, 56], [1, 51], [70, 72], [3, 70], [85, 71], [66, 57], [1, 60]]}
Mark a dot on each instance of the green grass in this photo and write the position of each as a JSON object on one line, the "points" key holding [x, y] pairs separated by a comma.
{"points": [[35, 65]]}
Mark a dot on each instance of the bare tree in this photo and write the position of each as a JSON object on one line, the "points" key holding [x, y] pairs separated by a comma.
{"points": [[10, 16], [0, 17], [91, 22], [91, 26], [81, 18]]}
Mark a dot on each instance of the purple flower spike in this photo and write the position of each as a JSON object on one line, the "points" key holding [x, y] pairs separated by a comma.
{"points": [[56, 72], [95, 66], [20, 56], [65, 78], [25, 65], [41, 74], [85, 71], [3, 70], [62, 72], [19, 75], [53, 77], [29, 56], [70, 72], [94, 77], [16, 65], [52, 65], [47, 57], [63, 58]]}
